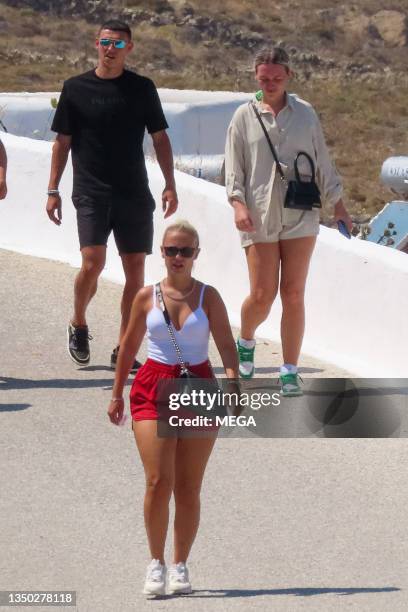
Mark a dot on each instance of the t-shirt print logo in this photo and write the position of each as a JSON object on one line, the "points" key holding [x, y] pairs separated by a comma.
{"points": [[109, 100], [102, 116]]}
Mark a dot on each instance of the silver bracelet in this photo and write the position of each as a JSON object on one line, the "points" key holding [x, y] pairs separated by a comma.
{"points": [[116, 399], [53, 192]]}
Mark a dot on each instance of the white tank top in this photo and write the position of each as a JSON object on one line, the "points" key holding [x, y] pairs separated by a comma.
{"points": [[192, 338]]}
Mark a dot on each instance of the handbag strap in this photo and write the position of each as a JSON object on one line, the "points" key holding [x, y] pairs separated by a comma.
{"points": [[278, 165], [184, 369], [310, 160]]}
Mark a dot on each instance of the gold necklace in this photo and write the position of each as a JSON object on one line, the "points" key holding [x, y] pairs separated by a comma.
{"points": [[180, 299]]}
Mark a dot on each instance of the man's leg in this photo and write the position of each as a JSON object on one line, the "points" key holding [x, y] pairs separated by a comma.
{"points": [[133, 231], [133, 267], [93, 261]]}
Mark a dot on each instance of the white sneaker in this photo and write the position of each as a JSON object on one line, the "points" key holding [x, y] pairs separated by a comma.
{"points": [[179, 581], [155, 583]]}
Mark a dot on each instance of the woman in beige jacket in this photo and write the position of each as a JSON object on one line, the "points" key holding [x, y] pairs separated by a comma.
{"points": [[278, 241]]}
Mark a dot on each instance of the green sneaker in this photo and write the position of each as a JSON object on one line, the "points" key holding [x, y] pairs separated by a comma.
{"points": [[290, 386], [246, 361]]}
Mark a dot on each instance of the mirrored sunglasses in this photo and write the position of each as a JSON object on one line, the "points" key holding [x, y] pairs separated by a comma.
{"points": [[118, 44], [172, 251]]}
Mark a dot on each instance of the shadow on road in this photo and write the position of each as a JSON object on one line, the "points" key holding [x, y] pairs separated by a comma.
{"points": [[273, 370], [13, 407], [97, 368], [7, 384], [297, 592]]}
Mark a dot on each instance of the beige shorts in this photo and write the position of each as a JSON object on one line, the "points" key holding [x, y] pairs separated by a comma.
{"points": [[281, 224]]}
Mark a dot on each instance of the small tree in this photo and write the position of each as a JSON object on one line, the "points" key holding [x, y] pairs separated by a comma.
{"points": [[365, 231]]}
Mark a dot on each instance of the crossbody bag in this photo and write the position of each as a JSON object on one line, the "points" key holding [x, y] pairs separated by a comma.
{"points": [[300, 195]]}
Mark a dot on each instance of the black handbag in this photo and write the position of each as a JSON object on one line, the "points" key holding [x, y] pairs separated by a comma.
{"points": [[303, 195], [300, 195]]}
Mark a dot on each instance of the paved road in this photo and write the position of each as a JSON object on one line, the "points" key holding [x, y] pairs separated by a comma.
{"points": [[287, 524]]}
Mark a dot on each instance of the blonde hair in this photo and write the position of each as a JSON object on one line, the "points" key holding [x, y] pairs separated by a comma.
{"points": [[182, 225]]}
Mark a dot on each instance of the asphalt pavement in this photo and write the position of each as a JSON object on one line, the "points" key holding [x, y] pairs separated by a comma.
{"points": [[314, 522]]}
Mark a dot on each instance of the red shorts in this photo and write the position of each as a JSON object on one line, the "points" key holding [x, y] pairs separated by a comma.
{"points": [[143, 394]]}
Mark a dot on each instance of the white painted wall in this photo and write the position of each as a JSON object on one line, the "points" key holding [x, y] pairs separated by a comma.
{"points": [[197, 122], [357, 291], [193, 116]]}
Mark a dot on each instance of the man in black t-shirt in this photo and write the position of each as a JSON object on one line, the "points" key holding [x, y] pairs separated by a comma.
{"points": [[101, 118]]}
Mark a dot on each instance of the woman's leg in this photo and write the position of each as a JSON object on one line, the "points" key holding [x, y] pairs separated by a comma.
{"points": [[263, 261], [295, 258], [191, 459], [158, 458]]}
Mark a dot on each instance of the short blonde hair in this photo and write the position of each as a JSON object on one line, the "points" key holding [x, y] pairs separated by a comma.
{"points": [[182, 225]]}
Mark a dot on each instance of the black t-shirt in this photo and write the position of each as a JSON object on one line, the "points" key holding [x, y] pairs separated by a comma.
{"points": [[107, 119]]}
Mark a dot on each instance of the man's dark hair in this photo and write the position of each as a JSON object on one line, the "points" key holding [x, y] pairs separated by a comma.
{"points": [[117, 26]]}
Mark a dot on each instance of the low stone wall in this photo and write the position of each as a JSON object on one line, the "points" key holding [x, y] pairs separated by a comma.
{"points": [[356, 294]]}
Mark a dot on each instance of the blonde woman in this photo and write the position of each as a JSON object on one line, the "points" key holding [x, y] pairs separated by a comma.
{"points": [[278, 241], [172, 465]]}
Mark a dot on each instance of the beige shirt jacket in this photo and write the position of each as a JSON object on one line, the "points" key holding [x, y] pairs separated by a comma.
{"points": [[251, 175]]}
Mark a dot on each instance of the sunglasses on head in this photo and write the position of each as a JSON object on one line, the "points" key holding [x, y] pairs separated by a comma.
{"points": [[118, 44], [172, 251]]}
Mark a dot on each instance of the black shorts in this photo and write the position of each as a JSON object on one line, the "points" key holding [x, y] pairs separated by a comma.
{"points": [[131, 221]]}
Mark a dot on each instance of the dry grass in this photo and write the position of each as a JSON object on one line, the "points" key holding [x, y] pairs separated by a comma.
{"points": [[363, 125]]}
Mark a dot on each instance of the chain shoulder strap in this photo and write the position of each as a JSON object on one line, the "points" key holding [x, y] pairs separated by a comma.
{"points": [[184, 369]]}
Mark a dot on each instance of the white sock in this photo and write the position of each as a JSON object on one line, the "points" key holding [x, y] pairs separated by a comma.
{"points": [[249, 344], [288, 368]]}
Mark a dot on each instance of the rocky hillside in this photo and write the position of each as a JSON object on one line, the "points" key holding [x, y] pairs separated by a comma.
{"points": [[184, 40], [350, 61]]}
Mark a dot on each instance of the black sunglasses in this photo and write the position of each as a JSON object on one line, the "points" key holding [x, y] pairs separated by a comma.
{"points": [[172, 251]]}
